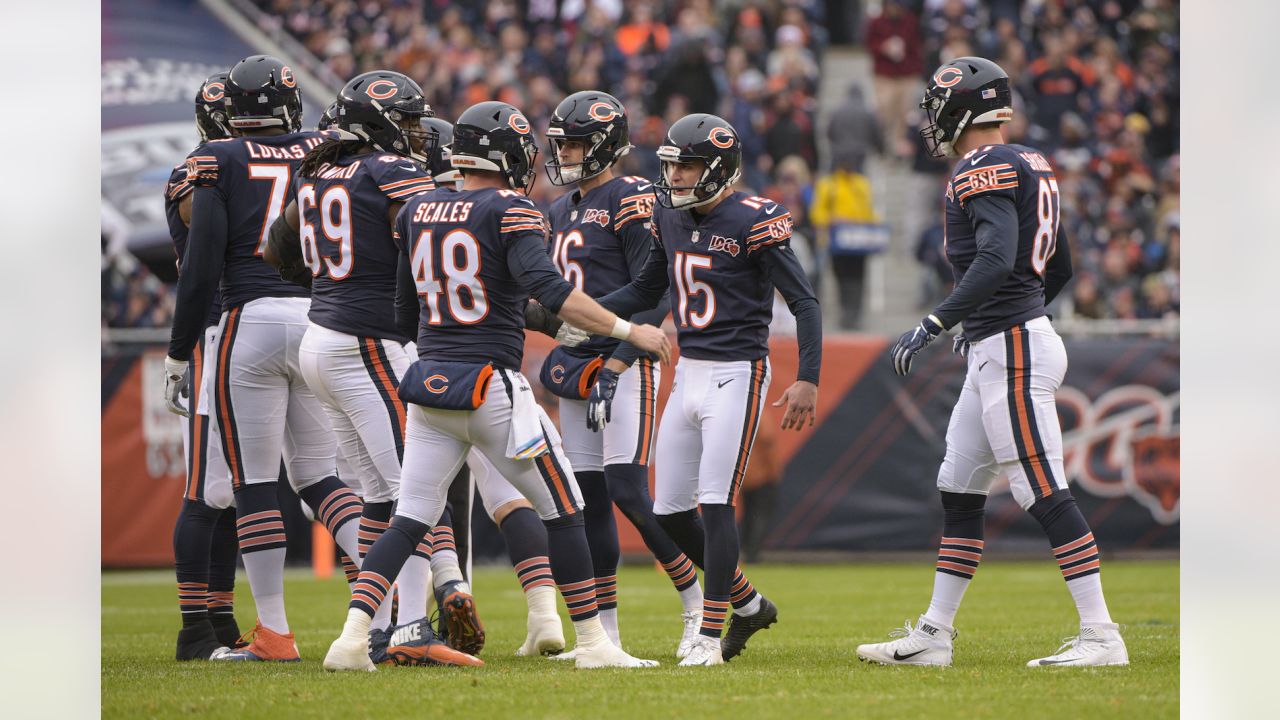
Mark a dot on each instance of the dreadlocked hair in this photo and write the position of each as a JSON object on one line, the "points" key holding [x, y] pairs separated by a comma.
{"points": [[329, 151]]}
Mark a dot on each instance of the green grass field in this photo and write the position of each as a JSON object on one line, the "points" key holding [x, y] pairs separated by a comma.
{"points": [[803, 667]]}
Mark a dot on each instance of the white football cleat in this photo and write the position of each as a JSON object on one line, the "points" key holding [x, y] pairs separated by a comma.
{"points": [[566, 655], [704, 651], [348, 653], [545, 637], [605, 654], [692, 622], [1096, 645], [927, 643]]}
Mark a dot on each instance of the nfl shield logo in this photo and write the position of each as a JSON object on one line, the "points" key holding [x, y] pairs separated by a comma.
{"points": [[694, 237], [573, 216]]}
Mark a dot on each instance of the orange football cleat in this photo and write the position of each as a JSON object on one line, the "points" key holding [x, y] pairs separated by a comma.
{"points": [[267, 646]]}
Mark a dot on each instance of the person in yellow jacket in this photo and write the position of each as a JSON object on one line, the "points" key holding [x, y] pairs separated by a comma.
{"points": [[844, 197]]}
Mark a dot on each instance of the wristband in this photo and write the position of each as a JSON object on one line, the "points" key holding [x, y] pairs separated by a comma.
{"points": [[621, 329]]}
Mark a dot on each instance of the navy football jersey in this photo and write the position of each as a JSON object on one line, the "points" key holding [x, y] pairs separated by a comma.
{"points": [[598, 238], [347, 240], [253, 175], [1024, 176], [721, 292], [175, 190], [459, 245]]}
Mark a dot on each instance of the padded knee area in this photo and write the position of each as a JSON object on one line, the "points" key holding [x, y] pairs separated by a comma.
{"points": [[1060, 517], [629, 488], [685, 528]]}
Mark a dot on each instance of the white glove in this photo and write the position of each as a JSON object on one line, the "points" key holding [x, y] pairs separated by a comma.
{"points": [[175, 385], [570, 336]]}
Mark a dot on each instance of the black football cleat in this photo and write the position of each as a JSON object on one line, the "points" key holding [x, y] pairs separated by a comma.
{"points": [[416, 644], [742, 628], [198, 642], [228, 632], [460, 625], [378, 642]]}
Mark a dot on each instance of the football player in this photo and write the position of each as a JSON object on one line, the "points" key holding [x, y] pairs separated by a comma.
{"points": [[601, 239], [722, 253], [263, 407], [473, 258], [204, 539], [1007, 250], [347, 193]]}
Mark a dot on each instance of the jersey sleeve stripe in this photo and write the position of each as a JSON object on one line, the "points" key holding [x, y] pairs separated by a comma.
{"points": [[984, 168], [754, 246], [178, 190], [1000, 176], [402, 183], [770, 221], [520, 228], [979, 191], [410, 191]]}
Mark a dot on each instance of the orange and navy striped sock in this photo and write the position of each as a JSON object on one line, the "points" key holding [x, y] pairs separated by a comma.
{"points": [[1078, 558], [1076, 552], [444, 554], [571, 566], [335, 505], [714, 612], [221, 602], [607, 592], [193, 600], [580, 599], [535, 572], [681, 571], [742, 594], [959, 553], [375, 518], [383, 563], [370, 590], [350, 569]]}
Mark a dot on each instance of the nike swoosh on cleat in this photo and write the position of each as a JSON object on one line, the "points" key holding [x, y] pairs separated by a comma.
{"points": [[976, 160], [900, 658], [1053, 662]]}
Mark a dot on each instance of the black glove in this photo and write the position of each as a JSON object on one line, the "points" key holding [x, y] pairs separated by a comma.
{"points": [[960, 345], [912, 342], [600, 404]]}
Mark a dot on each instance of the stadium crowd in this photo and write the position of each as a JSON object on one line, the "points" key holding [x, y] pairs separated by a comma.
{"points": [[1096, 87]]}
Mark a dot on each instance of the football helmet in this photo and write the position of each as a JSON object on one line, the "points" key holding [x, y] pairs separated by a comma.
{"points": [[597, 119], [328, 118], [441, 142], [495, 136], [966, 91], [384, 109], [211, 116], [263, 92], [704, 137]]}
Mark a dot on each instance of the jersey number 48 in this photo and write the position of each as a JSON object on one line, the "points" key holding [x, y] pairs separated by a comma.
{"points": [[463, 290]]}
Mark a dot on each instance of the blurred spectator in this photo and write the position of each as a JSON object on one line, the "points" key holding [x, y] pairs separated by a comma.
{"points": [[844, 196], [854, 131], [1096, 88], [893, 38]]}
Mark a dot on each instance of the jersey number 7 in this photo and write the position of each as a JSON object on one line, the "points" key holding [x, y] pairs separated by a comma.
{"points": [[278, 174], [467, 308]]}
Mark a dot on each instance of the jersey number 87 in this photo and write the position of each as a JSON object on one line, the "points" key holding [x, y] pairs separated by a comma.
{"points": [[1046, 242], [467, 309]]}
